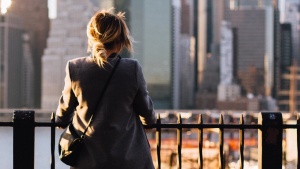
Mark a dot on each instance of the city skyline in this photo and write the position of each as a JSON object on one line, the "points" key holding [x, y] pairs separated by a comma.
{"points": [[179, 44]]}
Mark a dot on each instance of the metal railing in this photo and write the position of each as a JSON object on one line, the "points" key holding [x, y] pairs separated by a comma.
{"points": [[270, 135]]}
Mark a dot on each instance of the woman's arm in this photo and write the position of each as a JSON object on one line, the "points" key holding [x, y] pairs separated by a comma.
{"points": [[142, 102], [67, 102]]}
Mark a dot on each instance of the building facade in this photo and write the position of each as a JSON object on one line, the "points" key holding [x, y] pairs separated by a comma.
{"points": [[35, 21], [227, 89], [156, 27], [257, 29], [11, 61], [24, 29], [255, 25], [290, 15], [286, 97], [209, 17], [67, 40]]}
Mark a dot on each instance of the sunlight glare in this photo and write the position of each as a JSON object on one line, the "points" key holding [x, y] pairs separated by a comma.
{"points": [[5, 4]]}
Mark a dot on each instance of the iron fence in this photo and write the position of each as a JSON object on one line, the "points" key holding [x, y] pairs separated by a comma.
{"points": [[270, 135]]}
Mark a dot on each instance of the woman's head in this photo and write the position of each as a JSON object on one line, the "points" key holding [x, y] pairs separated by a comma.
{"points": [[107, 32]]}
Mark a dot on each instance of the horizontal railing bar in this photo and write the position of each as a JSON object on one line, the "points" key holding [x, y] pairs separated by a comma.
{"points": [[175, 126], [290, 126], [221, 126], [7, 124], [46, 124], [203, 126]]}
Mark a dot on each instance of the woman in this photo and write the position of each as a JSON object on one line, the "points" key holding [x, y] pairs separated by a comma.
{"points": [[116, 138]]}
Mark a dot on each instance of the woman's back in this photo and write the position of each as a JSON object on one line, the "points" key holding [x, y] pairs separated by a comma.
{"points": [[115, 139]]}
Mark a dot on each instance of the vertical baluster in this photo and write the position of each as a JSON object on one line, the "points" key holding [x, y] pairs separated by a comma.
{"points": [[241, 142], [158, 140], [298, 140], [270, 140], [200, 142], [179, 141], [23, 139], [52, 160], [221, 143]]}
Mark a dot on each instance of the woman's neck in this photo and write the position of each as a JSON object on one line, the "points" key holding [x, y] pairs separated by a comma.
{"points": [[109, 52]]}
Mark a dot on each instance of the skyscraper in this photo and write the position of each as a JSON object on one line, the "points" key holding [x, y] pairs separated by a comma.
{"points": [[227, 89], [156, 27], [24, 31], [256, 25], [209, 16], [256, 30], [35, 21], [11, 61], [188, 56], [67, 40], [151, 30], [285, 94], [290, 14]]}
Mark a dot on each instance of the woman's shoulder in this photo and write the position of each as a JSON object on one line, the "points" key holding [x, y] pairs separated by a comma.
{"points": [[130, 61], [81, 59]]}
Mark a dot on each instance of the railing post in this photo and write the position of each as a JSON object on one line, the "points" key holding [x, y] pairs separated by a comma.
{"points": [[270, 140], [221, 143], [179, 142], [298, 141], [200, 142], [52, 159], [158, 141], [23, 139], [242, 141]]}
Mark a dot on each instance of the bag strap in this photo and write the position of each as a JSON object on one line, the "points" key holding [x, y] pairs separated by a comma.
{"points": [[101, 95]]}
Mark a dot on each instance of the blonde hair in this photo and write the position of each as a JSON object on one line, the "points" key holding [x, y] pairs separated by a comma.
{"points": [[107, 31]]}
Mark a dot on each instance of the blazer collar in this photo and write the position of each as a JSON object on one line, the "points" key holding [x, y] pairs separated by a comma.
{"points": [[113, 55]]}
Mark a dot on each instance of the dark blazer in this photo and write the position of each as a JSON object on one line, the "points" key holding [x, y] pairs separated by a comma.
{"points": [[116, 138]]}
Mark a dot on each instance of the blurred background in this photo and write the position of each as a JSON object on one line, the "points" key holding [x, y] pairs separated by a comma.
{"points": [[208, 54], [206, 57]]}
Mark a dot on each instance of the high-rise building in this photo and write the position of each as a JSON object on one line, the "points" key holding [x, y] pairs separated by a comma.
{"points": [[156, 27], [24, 31], [284, 87], [151, 31], [227, 89], [67, 40], [256, 25], [11, 62], [288, 90], [277, 51], [35, 21], [255, 30], [187, 56], [291, 15], [209, 17]]}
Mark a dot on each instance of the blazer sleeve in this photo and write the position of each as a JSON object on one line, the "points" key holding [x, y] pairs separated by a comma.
{"points": [[142, 103], [67, 102]]}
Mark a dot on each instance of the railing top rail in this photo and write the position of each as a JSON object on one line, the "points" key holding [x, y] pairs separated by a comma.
{"points": [[175, 126]]}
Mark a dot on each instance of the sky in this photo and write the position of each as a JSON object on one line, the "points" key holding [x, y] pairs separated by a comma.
{"points": [[52, 8], [4, 5]]}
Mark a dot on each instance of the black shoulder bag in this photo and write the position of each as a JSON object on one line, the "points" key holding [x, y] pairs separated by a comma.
{"points": [[70, 143]]}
